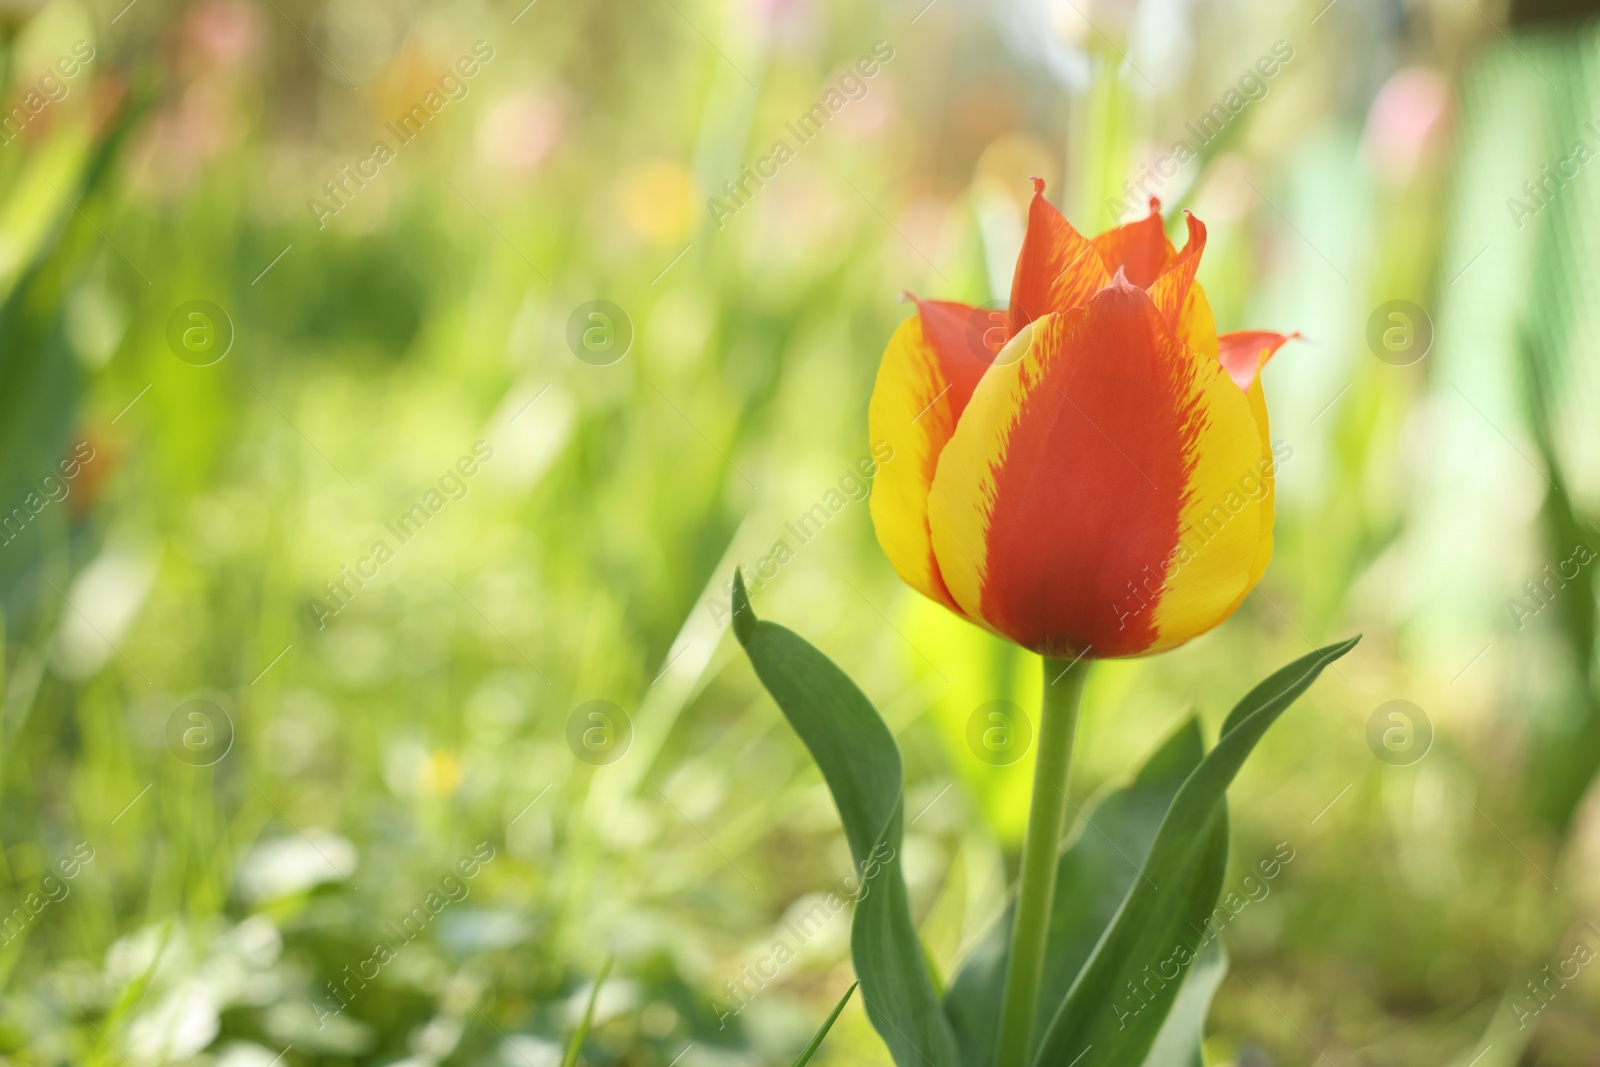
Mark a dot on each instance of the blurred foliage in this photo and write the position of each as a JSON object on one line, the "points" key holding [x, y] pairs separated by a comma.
{"points": [[226, 899]]}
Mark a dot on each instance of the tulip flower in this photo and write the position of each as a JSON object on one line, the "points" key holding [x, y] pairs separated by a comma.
{"points": [[1088, 474], [1091, 475]]}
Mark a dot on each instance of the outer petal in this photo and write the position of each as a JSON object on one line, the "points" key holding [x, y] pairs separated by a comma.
{"points": [[1245, 352], [1236, 352], [1181, 300], [1057, 269], [1268, 465], [1139, 249], [1059, 501], [1172, 289], [924, 382], [1227, 516]]}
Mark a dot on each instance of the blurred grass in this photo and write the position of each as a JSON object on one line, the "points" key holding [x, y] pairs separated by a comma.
{"points": [[371, 754]]}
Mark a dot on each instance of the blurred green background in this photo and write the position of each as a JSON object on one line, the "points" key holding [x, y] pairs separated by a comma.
{"points": [[242, 748]]}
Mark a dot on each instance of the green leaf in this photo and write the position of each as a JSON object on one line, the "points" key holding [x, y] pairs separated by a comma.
{"points": [[816, 1042], [1122, 996], [575, 1043], [861, 764], [1093, 878], [1183, 1032]]}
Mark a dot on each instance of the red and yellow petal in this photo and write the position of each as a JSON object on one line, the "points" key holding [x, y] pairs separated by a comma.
{"points": [[1140, 249], [1236, 352], [1245, 352], [927, 376], [1226, 538], [1057, 269], [1268, 466], [1106, 487], [1059, 501], [1172, 289]]}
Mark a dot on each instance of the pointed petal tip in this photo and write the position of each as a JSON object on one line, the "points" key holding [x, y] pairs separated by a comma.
{"points": [[1197, 231], [1245, 352], [1038, 185]]}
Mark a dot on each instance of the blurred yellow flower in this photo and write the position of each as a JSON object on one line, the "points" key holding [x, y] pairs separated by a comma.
{"points": [[658, 200], [442, 773]]}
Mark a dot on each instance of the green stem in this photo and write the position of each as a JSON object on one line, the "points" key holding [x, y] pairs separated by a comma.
{"points": [[1058, 722]]}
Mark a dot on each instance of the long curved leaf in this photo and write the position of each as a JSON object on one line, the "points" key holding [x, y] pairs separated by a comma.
{"points": [[861, 764], [581, 1034], [1094, 875], [827, 1024], [1182, 1034], [1117, 1005]]}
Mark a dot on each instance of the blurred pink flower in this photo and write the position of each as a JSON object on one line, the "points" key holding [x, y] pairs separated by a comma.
{"points": [[1407, 123], [871, 113], [224, 33], [177, 144], [519, 131], [792, 25], [778, 9]]}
